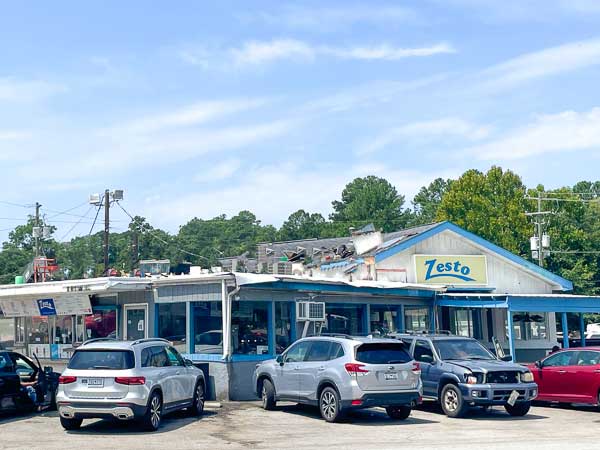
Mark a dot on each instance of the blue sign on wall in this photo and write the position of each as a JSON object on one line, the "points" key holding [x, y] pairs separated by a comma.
{"points": [[46, 306]]}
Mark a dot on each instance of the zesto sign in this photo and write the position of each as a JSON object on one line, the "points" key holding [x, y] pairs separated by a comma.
{"points": [[451, 269]]}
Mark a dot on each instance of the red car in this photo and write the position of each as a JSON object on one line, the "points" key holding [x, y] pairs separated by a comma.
{"points": [[569, 376]]}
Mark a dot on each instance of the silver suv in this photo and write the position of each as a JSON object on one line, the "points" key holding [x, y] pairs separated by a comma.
{"points": [[339, 373], [138, 380]]}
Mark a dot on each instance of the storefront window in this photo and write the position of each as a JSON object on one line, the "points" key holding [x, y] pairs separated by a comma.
{"points": [[63, 330], [383, 319], [20, 330], [249, 328], [283, 326], [172, 323], [79, 328], [101, 324], [530, 325], [462, 322], [416, 319], [345, 319], [208, 327], [38, 330], [7, 333]]}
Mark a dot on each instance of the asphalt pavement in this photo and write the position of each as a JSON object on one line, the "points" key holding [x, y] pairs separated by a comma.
{"points": [[245, 425]]}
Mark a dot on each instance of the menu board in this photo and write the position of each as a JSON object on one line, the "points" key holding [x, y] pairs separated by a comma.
{"points": [[65, 305]]}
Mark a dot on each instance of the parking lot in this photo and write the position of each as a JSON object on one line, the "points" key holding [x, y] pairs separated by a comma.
{"points": [[245, 425]]}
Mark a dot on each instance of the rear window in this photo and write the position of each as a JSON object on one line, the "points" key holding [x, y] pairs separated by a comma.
{"points": [[102, 360], [382, 354]]}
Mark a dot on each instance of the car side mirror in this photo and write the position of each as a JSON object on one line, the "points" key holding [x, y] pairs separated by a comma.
{"points": [[427, 359], [188, 362], [539, 364], [280, 360], [506, 358]]}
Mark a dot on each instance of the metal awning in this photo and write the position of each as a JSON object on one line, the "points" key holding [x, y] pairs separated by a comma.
{"points": [[522, 302]]}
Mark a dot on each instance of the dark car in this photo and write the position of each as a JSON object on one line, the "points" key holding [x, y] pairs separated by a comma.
{"points": [[569, 376], [24, 385], [459, 372]]}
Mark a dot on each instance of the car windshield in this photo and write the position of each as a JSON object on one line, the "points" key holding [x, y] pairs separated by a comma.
{"points": [[462, 349], [102, 360], [382, 354]]}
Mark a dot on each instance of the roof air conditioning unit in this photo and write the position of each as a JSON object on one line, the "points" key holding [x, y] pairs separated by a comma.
{"points": [[269, 251], [311, 311]]}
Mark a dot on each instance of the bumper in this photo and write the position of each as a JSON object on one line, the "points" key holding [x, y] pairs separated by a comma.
{"points": [[383, 399], [497, 394], [122, 411]]}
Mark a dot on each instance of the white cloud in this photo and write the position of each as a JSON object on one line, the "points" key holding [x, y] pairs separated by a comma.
{"points": [[195, 114], [333, 19], [556, 133], [548, 62], [10, 135], [255, 53], [221, 171], [273, 192], [13, 90], [428, 130]]}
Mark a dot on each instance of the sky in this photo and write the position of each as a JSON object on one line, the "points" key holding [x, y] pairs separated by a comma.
{"points": [[197, 109]]}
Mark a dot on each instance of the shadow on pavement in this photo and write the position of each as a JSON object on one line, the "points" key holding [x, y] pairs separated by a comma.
{"points": [[494, 413], [11, 417], [170, 422], [365, 417]]}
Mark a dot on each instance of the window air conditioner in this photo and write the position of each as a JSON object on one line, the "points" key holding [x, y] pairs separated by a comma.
{"points": [[310, 311]]}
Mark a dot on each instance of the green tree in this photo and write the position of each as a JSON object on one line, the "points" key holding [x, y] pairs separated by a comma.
{"points": [[427, 201], [491, 205], [302, 225], [370, 199]]}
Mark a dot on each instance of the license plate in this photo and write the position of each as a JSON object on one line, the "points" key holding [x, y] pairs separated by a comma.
{"points": [[94, 382], [390, 376], [514, 396]]}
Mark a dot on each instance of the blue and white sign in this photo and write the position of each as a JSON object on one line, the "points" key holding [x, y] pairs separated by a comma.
{"points": [[46, 306], [451, 269]]}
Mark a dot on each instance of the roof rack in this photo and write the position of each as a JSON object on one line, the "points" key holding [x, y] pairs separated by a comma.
{"points": [[103, 339], [141, 341], [338, 335], [424, 333]]}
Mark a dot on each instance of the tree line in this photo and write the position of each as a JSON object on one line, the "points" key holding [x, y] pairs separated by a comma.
{"points": [[491, 204]]}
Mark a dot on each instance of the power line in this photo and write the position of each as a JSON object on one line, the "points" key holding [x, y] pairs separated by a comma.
{"points": [[18, 205], [67, 211], [77, 223], [161, 239], [95, 218]]}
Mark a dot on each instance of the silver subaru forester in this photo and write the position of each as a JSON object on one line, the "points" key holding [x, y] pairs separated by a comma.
{"points": [[140, 380], [339, 373]]}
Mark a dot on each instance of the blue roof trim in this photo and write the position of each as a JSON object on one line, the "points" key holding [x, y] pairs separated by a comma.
{"points": [[542, 303], [403, 245], [340, 288]]}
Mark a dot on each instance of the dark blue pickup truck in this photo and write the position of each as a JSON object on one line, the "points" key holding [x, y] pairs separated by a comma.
{"points": [[459, 373]]}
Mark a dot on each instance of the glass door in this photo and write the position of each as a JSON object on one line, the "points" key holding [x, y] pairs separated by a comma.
{"points": [[136, 322]]}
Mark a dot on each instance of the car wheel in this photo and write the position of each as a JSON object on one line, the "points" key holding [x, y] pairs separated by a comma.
{"points": [[197, 408], [518, 409], [452, 401], [70, 424], [330, 405], [398, 412], [267, 395], [153, 417]]}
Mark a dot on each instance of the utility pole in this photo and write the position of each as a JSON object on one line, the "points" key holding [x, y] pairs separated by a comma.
{"points": [[541, 242], [106, 228], [37, 224], [539, 231]]}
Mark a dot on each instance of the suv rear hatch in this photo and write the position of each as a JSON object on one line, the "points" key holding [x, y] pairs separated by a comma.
{"points": [[98, 374], [385, 367]]}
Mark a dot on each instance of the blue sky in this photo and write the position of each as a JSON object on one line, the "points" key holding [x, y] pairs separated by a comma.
{"points": [[201, 108]]}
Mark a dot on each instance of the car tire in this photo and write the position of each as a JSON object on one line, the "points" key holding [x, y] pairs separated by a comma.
{"points": [[452, 401], [518, 409], [398, 412], [267, 395], [70, 424], [153, 416], [330, 405], [197, 408]]}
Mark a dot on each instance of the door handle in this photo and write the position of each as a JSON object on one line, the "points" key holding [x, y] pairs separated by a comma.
{"points": [[178, 372], [321, 368], [597, 371], [562, 371], [296, 368]]}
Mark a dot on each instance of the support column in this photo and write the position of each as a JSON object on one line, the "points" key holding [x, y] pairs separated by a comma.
{"points": [[582, 329], [189, 327], [366, 325], [271, 328], [400, 320], [511, 340], [565, 330], [432, 318]]}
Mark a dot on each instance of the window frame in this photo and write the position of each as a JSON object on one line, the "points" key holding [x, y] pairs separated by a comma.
{"points": [[313, 344], [428, 345], [292, 347]]}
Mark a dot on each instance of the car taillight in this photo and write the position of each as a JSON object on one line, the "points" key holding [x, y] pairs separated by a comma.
{"points": [[416, 368], [130, 380], [66, 379], [355, 369]]}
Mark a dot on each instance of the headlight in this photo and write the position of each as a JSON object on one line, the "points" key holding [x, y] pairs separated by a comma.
{"points": [[526, 377], [471, 379]]}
